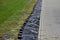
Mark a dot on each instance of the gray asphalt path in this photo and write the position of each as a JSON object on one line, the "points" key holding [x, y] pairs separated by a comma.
{"points": [[50, 20]]}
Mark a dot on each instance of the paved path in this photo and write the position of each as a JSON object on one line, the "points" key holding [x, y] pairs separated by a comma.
{"points": [[50, 20]]}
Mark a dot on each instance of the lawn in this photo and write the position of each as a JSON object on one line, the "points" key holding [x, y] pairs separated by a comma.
{"points": [[13, 14]]}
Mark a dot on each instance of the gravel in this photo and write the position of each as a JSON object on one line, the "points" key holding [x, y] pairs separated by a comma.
{"points": [[30, 28]]}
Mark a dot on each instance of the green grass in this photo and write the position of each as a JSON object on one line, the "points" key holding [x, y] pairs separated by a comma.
{"points": [[13, 14], [9, 7]]}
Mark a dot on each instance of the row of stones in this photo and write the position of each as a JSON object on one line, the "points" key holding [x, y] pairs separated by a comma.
{"points": [[29, 30]]}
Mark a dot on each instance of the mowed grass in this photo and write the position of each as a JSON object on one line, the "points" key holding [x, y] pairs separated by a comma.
{"points": [[13, 14], [9, 7]]}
